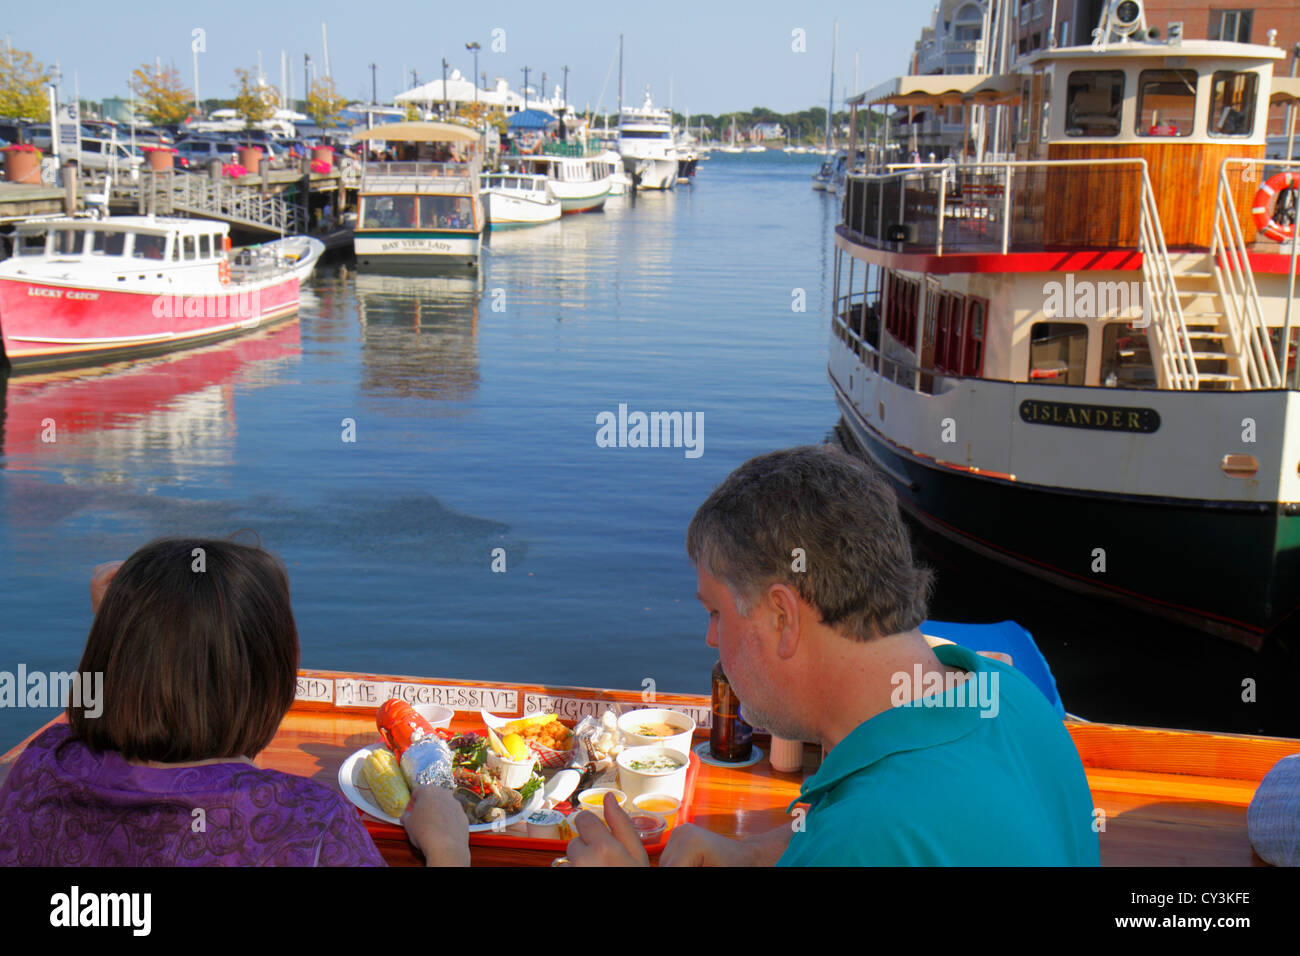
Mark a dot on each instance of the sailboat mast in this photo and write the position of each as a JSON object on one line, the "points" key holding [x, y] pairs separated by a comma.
{"points": [[830, 100], [620, 75]]}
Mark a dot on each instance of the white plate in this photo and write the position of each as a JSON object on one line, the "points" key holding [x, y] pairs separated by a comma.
{"points": [[352, 781]]}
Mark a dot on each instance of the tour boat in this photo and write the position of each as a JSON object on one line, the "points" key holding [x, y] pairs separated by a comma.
{"points": [[1072, 362], [1162, 797], [648, 146], [85, 291], [577, 171], [419, 207], [517, 199], [299, 253]]}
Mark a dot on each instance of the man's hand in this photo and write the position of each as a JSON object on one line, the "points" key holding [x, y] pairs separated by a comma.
{"points": [[436, 824], [599, 845], [695, 846], [100, 577]]}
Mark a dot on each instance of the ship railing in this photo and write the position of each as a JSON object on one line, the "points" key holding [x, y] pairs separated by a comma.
{"points": [[1167, 328], [996, 206], [1236, 281], [231, 201], [420, 177], [855, 324]]}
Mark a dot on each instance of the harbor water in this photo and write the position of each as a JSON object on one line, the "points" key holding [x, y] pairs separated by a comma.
{"points": [[423, 454]]}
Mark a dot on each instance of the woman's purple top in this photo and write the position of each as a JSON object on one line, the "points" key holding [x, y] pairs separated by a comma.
{"points": [[63, 804]]}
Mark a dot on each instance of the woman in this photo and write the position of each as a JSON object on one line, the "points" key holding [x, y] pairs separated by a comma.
{"points": [[198, 649]]}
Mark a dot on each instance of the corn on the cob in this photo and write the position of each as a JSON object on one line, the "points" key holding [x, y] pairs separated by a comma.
{"points": [[386, 781]]}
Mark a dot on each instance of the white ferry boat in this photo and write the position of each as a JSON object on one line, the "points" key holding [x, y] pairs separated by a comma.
{"points": [[518, 199], [577, 171], [648, 145], [1074, 362], [419, 206], [87, 291]]}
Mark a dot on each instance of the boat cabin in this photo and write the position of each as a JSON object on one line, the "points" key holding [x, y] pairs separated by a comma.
{"points": [[134, 248]]}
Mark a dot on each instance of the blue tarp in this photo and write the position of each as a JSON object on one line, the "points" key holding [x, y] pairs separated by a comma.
{"points": [[532, 119], [1006, 637]]}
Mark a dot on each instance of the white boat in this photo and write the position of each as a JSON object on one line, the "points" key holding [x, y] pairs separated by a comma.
{"points": [[578, 172], [647, 145], [518, 199], [1080, 361], [757, 149], [420, 210], [620, 183], [87, 291], [299, 253], [733, 146]]}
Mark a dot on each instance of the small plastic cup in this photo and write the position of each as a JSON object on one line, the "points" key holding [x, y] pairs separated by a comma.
{"points": [[649, 826], [594, 799], [659, 804]]}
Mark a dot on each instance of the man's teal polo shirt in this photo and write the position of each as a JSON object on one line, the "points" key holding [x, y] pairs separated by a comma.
{"points": [[945, 786]]}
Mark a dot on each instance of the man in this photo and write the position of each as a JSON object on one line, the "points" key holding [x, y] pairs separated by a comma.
{"points": [[814, 602]]}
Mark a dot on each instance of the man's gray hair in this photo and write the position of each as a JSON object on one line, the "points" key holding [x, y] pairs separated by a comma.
{"points": [[859, 573]]}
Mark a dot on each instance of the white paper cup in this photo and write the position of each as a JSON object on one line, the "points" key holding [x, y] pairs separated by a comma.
{"points": [[437, 715], [636, 782], [512, 773], [681, 741]]}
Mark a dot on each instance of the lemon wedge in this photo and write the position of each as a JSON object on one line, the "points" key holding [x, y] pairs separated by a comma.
{"points": [[516, 745], [497, 746]]}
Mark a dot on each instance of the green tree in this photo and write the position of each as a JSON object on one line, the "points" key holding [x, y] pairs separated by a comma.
{"points": [[324, 102], [254, 101], [22, 85], [164, 99]]}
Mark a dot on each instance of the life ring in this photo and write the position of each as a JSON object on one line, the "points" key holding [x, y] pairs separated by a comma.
{"points": [[1261, 208]]}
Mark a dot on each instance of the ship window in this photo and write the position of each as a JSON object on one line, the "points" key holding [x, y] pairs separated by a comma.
{"points": [[31, 244], [149, 247], [1095, 98], [205, 246], [973, 360], [1058, 353], [69, 242], [1232, 103], [190, 248], [109, 243], [1126, 357], [1166, 102], [1025, 110], [955, 324]]}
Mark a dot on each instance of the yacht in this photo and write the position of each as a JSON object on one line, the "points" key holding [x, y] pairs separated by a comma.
{"points": [[648, 146], [518, 199], [578, 171]]}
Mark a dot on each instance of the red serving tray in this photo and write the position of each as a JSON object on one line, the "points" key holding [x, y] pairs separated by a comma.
{"points": [[685, 813]]}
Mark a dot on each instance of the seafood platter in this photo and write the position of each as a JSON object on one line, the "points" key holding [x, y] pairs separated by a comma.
{"points": [[520, 779]]}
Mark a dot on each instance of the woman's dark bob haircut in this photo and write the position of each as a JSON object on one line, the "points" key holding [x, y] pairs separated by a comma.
{"points": [[199, 651]]}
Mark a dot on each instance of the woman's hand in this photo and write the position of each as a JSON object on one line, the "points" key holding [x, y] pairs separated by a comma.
{"points": [[100, 577], [436, 824]]}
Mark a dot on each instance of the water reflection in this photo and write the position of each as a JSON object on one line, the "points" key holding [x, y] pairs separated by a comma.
{"points": [[419, 335], [176, 411]]}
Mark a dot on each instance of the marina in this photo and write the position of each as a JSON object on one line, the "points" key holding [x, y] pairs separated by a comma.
{"points": [[455, 374]]}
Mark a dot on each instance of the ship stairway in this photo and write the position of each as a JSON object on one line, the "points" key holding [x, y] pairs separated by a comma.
{"points": [[1205, 327]]}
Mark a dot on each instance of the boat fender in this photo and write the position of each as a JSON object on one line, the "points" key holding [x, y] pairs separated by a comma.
{"points": [[1264, 215], [223, 271]]}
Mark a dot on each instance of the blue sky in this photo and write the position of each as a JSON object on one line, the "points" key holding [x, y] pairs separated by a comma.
{"points": [[722, 55]]}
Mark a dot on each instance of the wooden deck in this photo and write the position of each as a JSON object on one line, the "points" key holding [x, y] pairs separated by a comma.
{"points": [[1170, 798]]}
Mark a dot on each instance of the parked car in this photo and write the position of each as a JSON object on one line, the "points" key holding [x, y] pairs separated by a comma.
{"points": [[195, 153]]}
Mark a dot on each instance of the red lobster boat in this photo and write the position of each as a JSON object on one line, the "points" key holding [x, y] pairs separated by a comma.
{"points": [[83, 291]]}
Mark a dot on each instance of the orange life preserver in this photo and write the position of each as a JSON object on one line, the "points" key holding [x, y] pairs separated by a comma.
{"points": [[223, 271], [1262, 206]]}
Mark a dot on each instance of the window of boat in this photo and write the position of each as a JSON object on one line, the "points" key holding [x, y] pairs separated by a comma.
{"points": [[1126, 357], [1094, 99], [1232, 103], [205, 246], [191, 248], [148, 247], [69, 242], [1024, 110], [109, 243], [1047, 105], [956, 323], [31, 244], [973, 358], [1166, 102], [1058, 353]]}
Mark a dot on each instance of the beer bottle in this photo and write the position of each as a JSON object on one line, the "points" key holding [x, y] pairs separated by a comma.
{"points": [[730, 738]]}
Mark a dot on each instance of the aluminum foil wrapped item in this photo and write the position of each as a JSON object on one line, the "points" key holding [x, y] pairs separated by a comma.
{"points": [[428, 760]]}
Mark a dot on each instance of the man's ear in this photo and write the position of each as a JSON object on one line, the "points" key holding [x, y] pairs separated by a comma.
{"points": [[788, 616]]}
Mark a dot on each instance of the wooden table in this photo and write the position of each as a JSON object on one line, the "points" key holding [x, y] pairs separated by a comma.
{"points": [[1169, 798]]}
